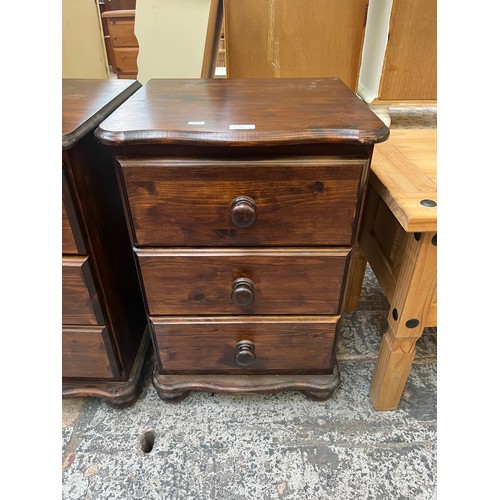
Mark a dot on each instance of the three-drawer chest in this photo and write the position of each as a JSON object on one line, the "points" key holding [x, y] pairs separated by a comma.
{"points": [[243, 199], [105, 338]]}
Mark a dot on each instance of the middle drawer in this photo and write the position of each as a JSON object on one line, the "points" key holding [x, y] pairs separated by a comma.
{"points": [[249, 281]]}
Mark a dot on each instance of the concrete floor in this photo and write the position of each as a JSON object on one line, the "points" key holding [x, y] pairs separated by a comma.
{"points": [[278, 446]]}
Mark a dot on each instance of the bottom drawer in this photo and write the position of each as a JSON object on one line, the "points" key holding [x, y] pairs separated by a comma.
{"points": [[84, 352], [243, 344]]}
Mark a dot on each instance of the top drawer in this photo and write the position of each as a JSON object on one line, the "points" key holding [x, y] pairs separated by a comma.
{"points": [[295, 201]]}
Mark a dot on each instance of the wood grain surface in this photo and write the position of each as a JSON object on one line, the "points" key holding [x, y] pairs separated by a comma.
{"points": [[303, 38], [285, 280], [410, 65], [299, 201], [404, 172], [72, 237], [86, 102], [315, 387], [117, 392], [121, 27], [68, 240], [292, 344], [84, 352], [80, 300], [105, 283], [243, 112]]}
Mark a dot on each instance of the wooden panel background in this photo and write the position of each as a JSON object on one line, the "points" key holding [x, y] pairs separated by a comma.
{"points": [[410, 67], [294, 38]]}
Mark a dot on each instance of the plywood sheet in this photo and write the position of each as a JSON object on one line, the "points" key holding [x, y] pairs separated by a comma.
{"points": [[294, 38]]}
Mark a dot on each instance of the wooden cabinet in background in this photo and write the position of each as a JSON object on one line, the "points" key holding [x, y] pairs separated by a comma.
{"points": [[104, 325], [124, 47]]}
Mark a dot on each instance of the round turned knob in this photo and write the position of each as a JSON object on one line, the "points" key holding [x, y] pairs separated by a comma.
{"points": [[243, 211], [245, 352], [243, 294]]}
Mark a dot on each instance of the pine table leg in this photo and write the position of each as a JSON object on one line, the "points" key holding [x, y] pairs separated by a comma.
{"points": [[412, 299]]}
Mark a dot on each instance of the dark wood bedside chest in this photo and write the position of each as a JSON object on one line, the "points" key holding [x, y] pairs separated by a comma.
{"points": [[104, 324], [243, 199]]}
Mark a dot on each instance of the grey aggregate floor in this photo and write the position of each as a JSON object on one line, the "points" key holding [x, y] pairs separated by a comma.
{"points": [[278, 446]]}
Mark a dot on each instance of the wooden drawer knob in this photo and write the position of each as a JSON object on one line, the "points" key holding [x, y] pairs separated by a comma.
{"points": [[243, 212], [245, 352], [243, 293]]}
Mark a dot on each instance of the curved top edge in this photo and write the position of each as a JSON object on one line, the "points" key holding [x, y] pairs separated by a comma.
{"points": [[242, 138], [71, 138]]}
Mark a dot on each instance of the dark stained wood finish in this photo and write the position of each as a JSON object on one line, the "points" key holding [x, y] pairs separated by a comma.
{"points": [[68, 240], [91, 169], [286, 281], [72, 239], [288, 344], [299, 201], [219, 216], [315, 387], [84, 353], [86, 102], [193, 151], [171, 111], [80, 301], [118, 393], [107, 273]]}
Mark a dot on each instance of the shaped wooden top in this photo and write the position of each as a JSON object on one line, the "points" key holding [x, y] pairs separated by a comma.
{"points": [[243, 112], [86, 102]]}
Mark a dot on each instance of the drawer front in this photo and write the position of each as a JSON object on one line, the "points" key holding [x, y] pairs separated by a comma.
{"points": [[126, 60], [84, 353], [304, 201], [223, 345], [243, 281], [121, 32], [80, 300]]}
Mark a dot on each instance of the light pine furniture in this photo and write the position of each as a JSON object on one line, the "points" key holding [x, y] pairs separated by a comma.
{"points": [[104, 325], [243, 199], [399, 240], [124, 47]]}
